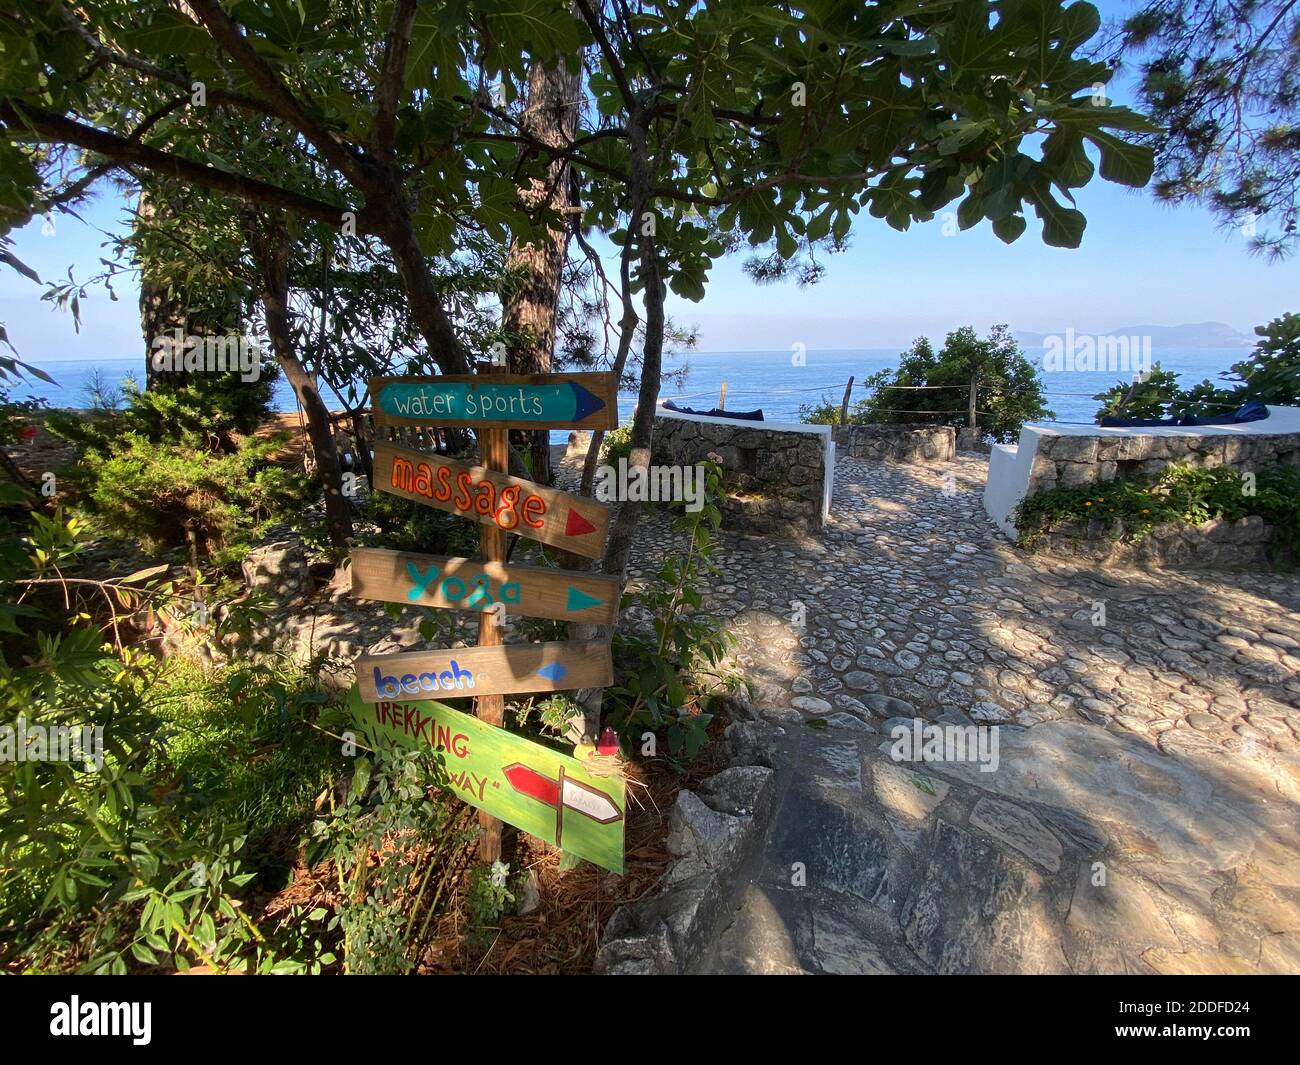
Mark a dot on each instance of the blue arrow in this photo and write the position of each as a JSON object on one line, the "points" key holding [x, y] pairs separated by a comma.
{"points": [[580, 600], [584, 402], [554, 672]]}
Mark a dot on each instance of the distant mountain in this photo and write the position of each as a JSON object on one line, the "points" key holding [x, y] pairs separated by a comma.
{"points": [[1191, 335]]}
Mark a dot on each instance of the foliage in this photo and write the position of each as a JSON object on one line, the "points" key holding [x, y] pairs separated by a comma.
{"points": [[827, 412], [1009, 391], [180, 463], [386, 838], [1218, 77], [616, 445], [405, 525], [1187, 495], [1270, 374], [1146, 398], [771, 128], [672, 669], [487, 896], [135, 855]]}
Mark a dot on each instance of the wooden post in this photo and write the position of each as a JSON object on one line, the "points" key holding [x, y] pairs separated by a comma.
{"points": [[722, 399], [974, 389], [844, 407], [494, 448]]}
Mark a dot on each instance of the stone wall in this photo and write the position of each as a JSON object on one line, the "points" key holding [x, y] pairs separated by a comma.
{"points": [[1076, 459], [914, 443], [1217, 544], [776, 477]]}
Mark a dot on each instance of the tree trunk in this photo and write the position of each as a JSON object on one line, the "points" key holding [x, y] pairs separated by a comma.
{"points": [[529, 311], [619, 545], [269, 244], [161, 311]]}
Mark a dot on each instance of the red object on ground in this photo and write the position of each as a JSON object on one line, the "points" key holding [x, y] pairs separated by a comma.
{"points": [[608, 742], [28, 432], [531, 783], [577, 525]]}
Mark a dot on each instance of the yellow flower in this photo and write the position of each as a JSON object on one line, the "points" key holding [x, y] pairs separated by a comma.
{"points": [[1088, 503]]}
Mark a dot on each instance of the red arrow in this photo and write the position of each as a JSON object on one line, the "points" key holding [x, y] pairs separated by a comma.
{"points": [[577, 525], [563, 794], [531, 783]]}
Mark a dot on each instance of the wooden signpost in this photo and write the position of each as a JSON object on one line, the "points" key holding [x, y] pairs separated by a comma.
{"points": [[503, 401], [479, 671], [510, 504], [462, 584], [547, 794]]}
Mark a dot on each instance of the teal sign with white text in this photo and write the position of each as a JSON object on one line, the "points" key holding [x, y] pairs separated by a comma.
{"points": [[559, 401]]}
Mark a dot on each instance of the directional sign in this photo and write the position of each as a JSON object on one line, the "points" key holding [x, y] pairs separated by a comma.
{"points": [[511, 503], [546, 794], [461, 584], [473, 671], [507, 401]]}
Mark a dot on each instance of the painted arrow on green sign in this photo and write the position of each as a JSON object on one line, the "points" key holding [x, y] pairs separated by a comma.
{"points": [[584, 400], [547, 794]]}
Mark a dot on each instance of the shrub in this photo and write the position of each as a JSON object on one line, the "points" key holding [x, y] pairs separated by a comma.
{"points": [[616, 445], [673, 671], [1009, 392], [1181, 494], [180, 466], [1147, 398]]}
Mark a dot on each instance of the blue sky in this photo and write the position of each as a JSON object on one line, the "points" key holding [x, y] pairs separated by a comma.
{"points": [[1140, 263]]}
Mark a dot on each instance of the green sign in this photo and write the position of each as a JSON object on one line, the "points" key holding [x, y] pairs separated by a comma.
{"points": [[549, 795]]}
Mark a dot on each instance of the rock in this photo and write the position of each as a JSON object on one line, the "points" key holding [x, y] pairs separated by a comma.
{"points": [[1121, 909], [750, 742], [529, 895], [906, 793], [988, 711], [810, 704], [848, 721], [973, 910], [860, 680], [1018, 828], [741, 791], [695, 830], [279, 568], [888, 706]]}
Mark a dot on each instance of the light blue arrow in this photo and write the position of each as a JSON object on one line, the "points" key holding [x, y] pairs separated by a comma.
{"points": [[554, 671]]}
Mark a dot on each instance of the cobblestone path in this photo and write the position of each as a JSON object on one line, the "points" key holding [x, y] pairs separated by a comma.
{"points": [[1143, 814]]}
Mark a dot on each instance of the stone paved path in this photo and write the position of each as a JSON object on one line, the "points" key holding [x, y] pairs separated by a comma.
{"points": [[1145, 810]]}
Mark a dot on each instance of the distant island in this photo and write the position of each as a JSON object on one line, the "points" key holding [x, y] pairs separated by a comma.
{"points": [[1188, 335]]}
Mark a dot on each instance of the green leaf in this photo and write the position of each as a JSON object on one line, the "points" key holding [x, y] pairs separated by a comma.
{"points": [[1062, 226], [1008, 228], [1122, 161]]}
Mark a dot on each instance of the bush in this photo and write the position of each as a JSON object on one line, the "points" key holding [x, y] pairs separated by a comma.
{"points": [[1009, 392], [827, 412], [1270, 375], [616, 445], [1148, 398], [181, 466], [1181, 494], [673, 672]]}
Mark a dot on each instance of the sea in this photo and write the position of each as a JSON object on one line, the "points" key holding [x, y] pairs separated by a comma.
{"points": [[776, 382]]}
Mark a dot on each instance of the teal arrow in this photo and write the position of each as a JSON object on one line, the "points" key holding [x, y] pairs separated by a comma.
{"points": [[485, 401], [580, 600]]}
